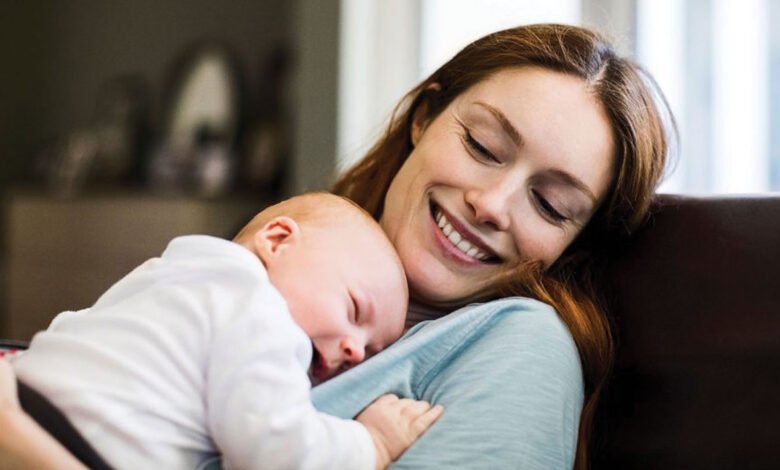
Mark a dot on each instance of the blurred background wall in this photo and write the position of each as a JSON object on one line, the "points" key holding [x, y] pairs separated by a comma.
{"points": [[62, 60], [313, 82], [57, 54]]}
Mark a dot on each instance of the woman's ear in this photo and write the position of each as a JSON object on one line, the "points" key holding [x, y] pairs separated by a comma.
{"points": [[421, 117], [276, 236]]}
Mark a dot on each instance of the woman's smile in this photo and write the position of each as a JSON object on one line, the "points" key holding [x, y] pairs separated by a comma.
{"points": [[456, 241]]}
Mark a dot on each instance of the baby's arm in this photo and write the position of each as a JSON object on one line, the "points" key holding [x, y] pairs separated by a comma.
{"points": [[259, 409], [261, 416], [394, 424], [23, 443]]}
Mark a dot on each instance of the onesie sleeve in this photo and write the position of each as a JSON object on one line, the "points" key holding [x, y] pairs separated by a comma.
{"points": [[258, 399]]}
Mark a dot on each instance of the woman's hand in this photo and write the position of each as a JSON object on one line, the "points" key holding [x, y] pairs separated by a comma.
{"points": [[395, 423], [24, 444]]}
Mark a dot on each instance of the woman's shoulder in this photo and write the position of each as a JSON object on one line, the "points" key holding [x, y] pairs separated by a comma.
{"points": [[511, 369], [524, 315], [527, 327], [418, 313], [517, 332], [528, 316]]}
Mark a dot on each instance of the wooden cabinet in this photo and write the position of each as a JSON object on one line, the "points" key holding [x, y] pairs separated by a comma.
{"points": [[62, 254]]}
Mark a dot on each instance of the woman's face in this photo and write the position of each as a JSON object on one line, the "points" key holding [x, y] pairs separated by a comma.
{"points": [[511, 170]]}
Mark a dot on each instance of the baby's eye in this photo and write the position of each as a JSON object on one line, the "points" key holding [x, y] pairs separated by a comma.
{"points": [[355, 312]]}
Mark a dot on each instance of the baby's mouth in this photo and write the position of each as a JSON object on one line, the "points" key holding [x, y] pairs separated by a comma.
{"points": [[464, 242], [318, 370]]}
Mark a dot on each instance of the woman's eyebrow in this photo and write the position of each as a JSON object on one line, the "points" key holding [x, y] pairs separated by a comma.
{"points": [[504, 121]]}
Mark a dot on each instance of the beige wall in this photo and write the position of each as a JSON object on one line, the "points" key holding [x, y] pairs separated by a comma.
{"points": [[63, 254], [316, 26]]}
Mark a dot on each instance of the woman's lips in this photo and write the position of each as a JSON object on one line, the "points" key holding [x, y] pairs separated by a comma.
{"points": [[480, 252]]}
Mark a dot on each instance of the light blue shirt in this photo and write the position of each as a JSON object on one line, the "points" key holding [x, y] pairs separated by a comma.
{"points": [[507, 372]]}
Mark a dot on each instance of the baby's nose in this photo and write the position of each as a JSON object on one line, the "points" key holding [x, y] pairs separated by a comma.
{"points": [[353, 353]]}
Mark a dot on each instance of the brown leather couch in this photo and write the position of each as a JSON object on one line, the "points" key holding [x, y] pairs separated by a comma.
{"points": [[695, 301]]}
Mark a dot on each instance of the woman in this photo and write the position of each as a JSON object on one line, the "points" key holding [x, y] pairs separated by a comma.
{"points": [[511, 170], [542, 148]]}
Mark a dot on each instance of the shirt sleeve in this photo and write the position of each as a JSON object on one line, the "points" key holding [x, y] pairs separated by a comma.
{"points": [[259, 402]]}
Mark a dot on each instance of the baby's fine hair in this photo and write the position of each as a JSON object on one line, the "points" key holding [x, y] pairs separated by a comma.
{"points": [[318, 208]]}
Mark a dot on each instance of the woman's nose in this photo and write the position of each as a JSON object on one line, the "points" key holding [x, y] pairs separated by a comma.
{"points": [[490, 206]]}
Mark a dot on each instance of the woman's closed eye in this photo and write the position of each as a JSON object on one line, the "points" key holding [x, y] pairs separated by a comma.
{"points": [[475, 147], [548, 210]]}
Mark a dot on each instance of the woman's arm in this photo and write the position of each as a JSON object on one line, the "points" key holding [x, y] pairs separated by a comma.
{"points": [[23, 443]]}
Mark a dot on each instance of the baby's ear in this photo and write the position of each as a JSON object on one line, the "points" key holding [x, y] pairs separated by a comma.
{"points": [[276, 235]]}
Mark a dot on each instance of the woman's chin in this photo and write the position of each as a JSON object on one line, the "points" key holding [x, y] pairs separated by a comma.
{"points": [[441, 292]]}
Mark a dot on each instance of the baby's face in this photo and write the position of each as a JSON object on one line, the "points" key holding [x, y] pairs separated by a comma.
{"points": [[346, 289]]}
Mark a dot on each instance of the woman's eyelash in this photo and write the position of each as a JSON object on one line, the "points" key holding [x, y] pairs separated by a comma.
{"points": [[477, 147], [549, 209]]}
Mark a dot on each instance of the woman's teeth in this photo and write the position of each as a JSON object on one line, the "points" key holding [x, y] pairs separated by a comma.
{"points": [[457, 239]]}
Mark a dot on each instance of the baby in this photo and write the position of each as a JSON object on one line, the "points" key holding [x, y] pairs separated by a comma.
{"points": [[206, 349]]}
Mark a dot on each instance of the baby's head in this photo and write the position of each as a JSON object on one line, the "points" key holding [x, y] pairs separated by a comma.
{"points": [[340, 275]]}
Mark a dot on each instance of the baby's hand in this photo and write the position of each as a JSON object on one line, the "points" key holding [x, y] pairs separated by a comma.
{"points": [[395, 424]]}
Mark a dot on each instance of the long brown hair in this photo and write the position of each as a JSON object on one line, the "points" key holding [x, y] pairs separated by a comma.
{"points": [[641, 125]]}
